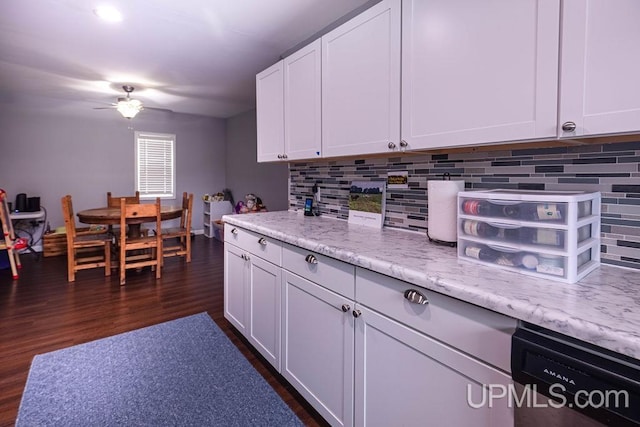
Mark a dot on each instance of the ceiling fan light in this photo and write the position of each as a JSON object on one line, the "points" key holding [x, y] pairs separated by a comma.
{"points": [[129, 108], [108, 13]]}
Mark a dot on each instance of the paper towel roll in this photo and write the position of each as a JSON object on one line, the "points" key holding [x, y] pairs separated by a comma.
{"points": [[443, 209]]}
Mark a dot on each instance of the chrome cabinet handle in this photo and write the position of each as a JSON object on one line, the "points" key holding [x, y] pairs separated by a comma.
{"points": [[403, 143], [284, 156], [234, 231], [568, 126], [279, 156], [262, 241], [311, 259], [245, 257], [415, 297], [345, 307], [356, 313], [391, 145]]}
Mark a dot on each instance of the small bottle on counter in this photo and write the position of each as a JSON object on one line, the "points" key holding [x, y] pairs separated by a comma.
{"points": [[534, 211], [479, 228], [482, 253], [479, 207], [536, 236]]}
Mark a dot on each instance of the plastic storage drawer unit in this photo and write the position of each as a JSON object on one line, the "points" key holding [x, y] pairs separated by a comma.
{"points": [[555, 235]]}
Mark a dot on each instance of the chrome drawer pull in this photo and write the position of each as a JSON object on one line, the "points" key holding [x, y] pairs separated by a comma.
{"points": [[262, 241], [415, 297], [311, 259], [356, 313], [345, 307], [245, 257], [234, 231]]}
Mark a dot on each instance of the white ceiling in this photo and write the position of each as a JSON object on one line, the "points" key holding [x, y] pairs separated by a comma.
{"points": [[190, 56]]}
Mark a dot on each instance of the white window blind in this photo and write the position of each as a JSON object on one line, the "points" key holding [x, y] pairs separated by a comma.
{"points": [[155, 165]]}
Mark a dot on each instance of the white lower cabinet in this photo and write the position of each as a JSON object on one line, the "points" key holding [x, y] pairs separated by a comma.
{"points": [[252, 292], [264, 309], [317, 347], [236, 277], [360, 347], [415, 377], [406, 378]]}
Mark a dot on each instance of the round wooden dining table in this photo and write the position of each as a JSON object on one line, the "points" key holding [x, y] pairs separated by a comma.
{"points": [[111, 216]]}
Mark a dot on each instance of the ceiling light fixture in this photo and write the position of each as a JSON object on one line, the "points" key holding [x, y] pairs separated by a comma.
{"points": [[108, 13], [128, 106]]}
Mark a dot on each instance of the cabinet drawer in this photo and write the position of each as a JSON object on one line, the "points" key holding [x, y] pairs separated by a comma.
{"points": [[479, 332], [327, 272], [265, 247]]}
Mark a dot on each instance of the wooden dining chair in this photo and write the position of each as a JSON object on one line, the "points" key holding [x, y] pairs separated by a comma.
{"points": [[139, 251], [114, 202], [176, 241], [84, 250]]}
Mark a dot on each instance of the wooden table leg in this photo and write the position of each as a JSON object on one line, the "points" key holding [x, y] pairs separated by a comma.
{"points": [[134, 230]]}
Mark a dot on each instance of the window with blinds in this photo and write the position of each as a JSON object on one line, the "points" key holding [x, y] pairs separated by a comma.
{"points": [[155, 165]]}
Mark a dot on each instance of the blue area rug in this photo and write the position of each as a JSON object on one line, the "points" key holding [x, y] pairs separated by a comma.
{"points": [[184, 372]]}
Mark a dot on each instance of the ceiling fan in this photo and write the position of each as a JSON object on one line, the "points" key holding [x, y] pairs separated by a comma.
{"points": [[129, 107]]}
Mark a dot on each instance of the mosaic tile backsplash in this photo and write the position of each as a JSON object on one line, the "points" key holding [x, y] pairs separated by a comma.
{"points": [[612, 169]]}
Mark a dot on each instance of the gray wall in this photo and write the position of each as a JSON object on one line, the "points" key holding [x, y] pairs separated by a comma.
{"points": [[269, 181], [47, 154]]}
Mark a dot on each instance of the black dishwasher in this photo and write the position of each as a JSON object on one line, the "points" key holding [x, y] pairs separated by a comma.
{"points": [[562, 381]]}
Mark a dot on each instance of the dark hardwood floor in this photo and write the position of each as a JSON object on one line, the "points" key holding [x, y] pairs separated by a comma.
{"points": [[42, 312]]}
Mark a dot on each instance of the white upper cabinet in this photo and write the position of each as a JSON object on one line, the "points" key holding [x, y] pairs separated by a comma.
{"points": [[270, 113], [600, 67], [302, 95], [477, 72], [361, 83]]}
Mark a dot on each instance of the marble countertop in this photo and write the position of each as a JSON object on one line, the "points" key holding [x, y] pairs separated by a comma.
{"points": [[603, 308]]}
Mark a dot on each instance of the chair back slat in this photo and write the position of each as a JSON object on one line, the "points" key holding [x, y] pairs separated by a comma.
{"points": [[187, 207], [69, 220], [114, 202]]}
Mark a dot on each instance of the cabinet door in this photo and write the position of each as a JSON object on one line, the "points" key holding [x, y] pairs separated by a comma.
{"points": [[264, 308], [600, 66], [270, 113], [302, 125], [317, 347], [361, 83], [404, 375], [236, 293], [478, 71]]}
